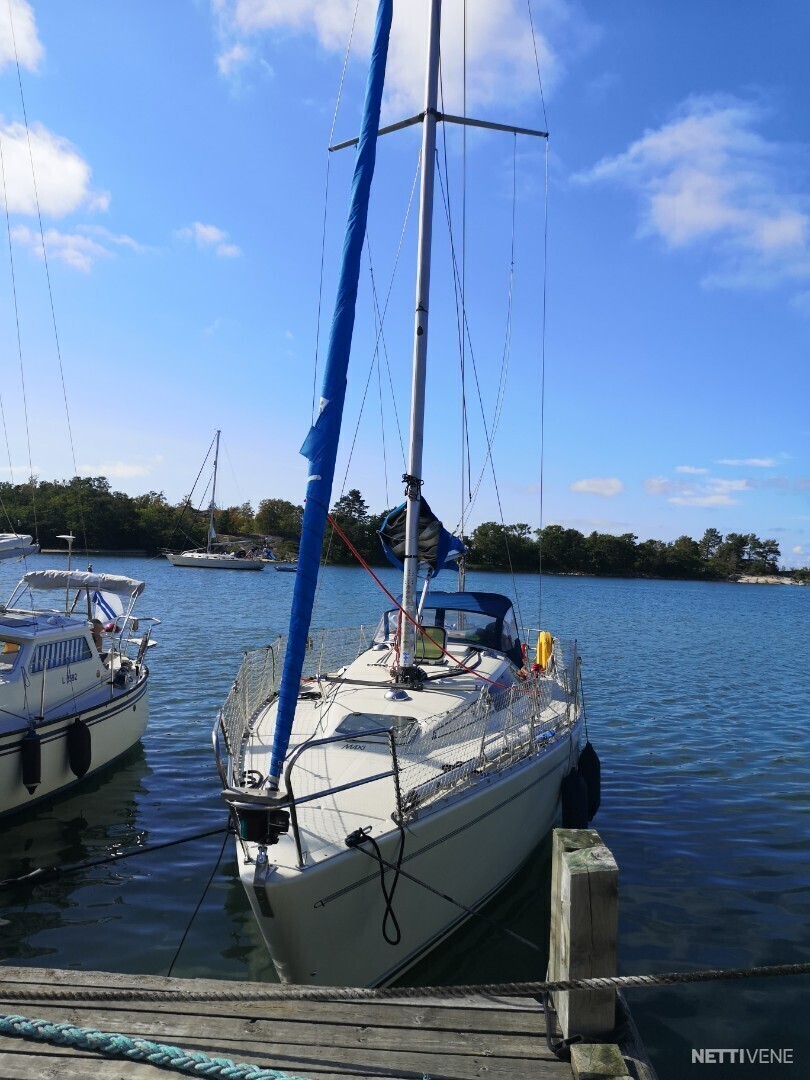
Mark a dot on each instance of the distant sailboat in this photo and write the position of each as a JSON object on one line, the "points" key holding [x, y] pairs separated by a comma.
{"points": [[427, 744], [219, 553]]}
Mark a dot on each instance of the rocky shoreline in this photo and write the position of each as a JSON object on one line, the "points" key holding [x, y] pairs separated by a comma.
{"points": [[767, 579]]}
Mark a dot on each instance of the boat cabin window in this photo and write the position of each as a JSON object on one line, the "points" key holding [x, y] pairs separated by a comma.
{"points": [[9, 654], [494, 629], [358, 724], [60, 653]]}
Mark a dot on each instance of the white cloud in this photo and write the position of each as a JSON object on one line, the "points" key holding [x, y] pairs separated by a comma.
{"points": [[798, 550], [703, 500], [231, 59], [117, 239], [728, 485], [690, 469], [209, 237], [659, 485], [20, 470], [73, 249], [709, 492], [756, 463], [708, 177], [18, 36], [63, 176], [500, 53], [598, 485], [115, 470]]}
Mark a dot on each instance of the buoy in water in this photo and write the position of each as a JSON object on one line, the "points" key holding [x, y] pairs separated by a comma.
{"points": [[31, 758], [590, 769], [574, 798], [79, 747]]}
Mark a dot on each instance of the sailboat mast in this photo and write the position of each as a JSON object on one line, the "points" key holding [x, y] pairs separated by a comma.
{"points": [[211, 531], [413, 478]]}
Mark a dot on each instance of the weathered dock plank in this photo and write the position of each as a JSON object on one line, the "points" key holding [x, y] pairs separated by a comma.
{"points": [[453, 1039]]}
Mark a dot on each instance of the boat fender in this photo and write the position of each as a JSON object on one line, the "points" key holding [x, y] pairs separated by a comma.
{"points": [[31, 757], [79, 748], [590, 769], [574, 798]]}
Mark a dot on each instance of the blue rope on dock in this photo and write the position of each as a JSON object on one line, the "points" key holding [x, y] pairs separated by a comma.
{"points": [[193, 1062]]}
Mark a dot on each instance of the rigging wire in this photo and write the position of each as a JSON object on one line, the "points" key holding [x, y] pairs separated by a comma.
{"points": [[459, 296], [380, 337], [325, 208], [50, 289], [465, 433], [19, 353], [489, 436], [188, 498], [543, 326], [542, 402], [382, 414], [537, 66]]}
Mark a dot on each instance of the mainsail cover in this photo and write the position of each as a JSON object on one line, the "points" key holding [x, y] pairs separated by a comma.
{"points": [[321, 444], [437, 547]]}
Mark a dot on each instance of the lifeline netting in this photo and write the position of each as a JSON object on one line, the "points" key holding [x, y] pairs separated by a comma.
{"points": [[447, 751]]}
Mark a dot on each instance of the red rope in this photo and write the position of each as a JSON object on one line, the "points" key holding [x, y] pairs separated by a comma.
{"points": [[411, 620]]}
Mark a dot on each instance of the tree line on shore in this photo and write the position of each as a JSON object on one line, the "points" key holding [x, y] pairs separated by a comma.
{"points": [[103, 519]]}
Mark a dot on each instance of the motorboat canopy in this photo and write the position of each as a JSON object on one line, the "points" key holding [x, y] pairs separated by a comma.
{"points": [[83, 579]]}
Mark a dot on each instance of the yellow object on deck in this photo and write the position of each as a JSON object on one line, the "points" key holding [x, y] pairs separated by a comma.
{"points": [[545, 646]]}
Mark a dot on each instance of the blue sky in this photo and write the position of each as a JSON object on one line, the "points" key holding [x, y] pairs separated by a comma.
{"points": [[180, 162]]}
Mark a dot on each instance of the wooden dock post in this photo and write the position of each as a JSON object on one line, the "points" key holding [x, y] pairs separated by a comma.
{"points": [[584, 918]]}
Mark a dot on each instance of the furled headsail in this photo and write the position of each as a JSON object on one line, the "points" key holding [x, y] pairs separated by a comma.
{"points": [[320, 445], [437, 547]]}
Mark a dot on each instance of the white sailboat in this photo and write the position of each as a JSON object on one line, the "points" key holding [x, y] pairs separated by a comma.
{"points": [[218, 554], [373, 773], [73, 681]]}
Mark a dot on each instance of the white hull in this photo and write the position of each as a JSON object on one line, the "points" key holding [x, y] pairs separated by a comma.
{"points": [[468, 849], [202, 561], [114, 726]]}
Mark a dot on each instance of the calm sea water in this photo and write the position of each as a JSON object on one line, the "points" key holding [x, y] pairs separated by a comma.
{"points": [[698, 699]]}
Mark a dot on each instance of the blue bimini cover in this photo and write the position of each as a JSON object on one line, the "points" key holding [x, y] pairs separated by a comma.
{"points": [[437, 547], [495, 605]]}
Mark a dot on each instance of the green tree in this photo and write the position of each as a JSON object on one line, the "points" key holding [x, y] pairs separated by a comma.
{"points": [[563, 550], [709, 543], [350, 512], [279, 518], [611, 556]]}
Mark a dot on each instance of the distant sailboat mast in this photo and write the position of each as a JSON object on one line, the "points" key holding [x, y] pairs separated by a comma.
{"points": [[211, 530], [413, 478]]}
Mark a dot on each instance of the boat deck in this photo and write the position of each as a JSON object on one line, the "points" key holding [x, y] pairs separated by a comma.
{"points": [[451, 1038]]}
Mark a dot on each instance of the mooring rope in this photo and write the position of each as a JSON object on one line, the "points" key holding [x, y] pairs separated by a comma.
{"points": [[193, 1062], [348, 993]]}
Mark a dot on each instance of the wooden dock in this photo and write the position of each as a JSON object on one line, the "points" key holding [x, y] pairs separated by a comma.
{"points": [[440, 1036], [447, 1038]]}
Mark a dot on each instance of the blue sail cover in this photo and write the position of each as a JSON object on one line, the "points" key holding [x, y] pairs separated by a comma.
{"points": [[437, 547], [321, 444]]}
